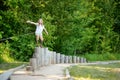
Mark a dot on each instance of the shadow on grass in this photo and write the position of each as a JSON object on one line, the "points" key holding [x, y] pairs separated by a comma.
{"points": [[96, 72]]}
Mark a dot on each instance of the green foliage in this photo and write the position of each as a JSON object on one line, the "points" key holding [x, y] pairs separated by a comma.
{"points": [[23, 47], [5, 51], [102, 57], [88, 28], [74, 26], [13, 26]]}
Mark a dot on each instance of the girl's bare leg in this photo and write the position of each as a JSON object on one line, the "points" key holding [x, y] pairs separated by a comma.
{"points": [[41, 41], [37, 38]]}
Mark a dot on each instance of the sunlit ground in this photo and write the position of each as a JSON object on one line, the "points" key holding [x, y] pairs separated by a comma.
{"points": [[96, 72]]}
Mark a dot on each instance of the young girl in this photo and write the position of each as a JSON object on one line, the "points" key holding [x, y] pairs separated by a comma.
{"points": [[39, 29]]}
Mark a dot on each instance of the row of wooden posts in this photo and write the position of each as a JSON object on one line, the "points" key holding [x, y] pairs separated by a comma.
{"points": [[44, 57]]}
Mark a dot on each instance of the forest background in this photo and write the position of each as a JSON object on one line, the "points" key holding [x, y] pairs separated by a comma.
{"points": [[76, 27]]}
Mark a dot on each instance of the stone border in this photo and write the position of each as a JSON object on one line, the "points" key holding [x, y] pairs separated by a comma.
{"points": [[101, 62], [5, 75], [67, 75]]}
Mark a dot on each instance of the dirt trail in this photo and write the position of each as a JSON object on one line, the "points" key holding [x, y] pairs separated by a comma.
{"points": [[52, 72]]}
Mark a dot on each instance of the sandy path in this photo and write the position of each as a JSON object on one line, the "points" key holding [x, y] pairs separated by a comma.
{"points": [[52, 72]]}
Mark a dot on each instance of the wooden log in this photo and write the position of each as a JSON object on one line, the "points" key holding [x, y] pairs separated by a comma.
{"points": [[70, 59], [81, 60], [49, 57], [58, 58], [74, 59], [62, 58], [66, 59], [54, 57], [84, 60], [42, 57], [33, 62], [35, 54], [78, 59], [38, 55], [46, 56]]}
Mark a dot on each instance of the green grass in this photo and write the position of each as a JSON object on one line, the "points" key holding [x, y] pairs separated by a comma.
{"points": [[6, 66], [101, 57], [96, 72]]}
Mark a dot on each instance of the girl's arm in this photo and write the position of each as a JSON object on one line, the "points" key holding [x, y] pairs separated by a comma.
{"points": [[45, 31], [31, 22]]}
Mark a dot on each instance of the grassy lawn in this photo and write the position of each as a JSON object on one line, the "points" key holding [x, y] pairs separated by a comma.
{"points": [[6, 66], [96, 72]]}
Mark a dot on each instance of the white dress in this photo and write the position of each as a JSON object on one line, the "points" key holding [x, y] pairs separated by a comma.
{"points": [[39, 29]]}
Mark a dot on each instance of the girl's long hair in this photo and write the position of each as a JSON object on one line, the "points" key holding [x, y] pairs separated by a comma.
{"points": [[40, 20]]}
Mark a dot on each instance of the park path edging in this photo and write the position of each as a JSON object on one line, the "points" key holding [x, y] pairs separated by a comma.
{"points": [[5, 75]]}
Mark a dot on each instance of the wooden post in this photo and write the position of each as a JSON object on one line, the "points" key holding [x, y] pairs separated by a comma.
{"points": [[52, 57], [54, 54], [78, 59], [58, 58], [42, 57], [62, 58], [70, 59], [49, 56], [46, 56], [81, 60], [74, 59], [37, 55], [84, 60], [35, 52], [66, 59], [33, 62]]}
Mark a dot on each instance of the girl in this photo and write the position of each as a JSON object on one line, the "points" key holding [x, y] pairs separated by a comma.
{"points": [[39, 29]]}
